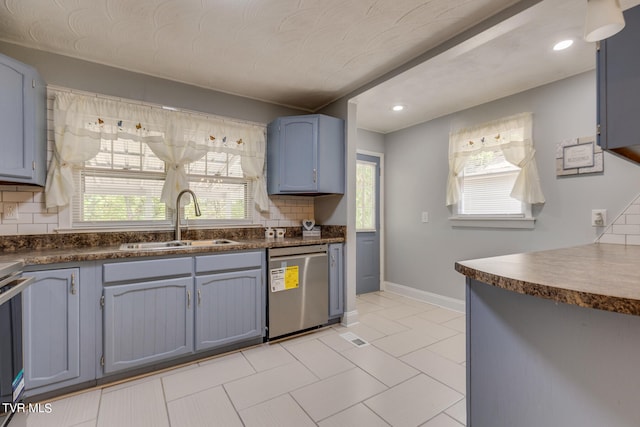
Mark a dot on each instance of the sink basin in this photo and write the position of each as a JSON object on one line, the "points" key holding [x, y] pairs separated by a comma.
{"points": [[212, 242], [152, 246], [174, 244]]}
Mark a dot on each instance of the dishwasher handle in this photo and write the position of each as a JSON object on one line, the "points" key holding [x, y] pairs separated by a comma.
{"points": [[297, 250], [291, 257]]}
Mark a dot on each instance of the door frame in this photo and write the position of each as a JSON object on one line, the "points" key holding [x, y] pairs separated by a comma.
{"points": [[381, 201]]}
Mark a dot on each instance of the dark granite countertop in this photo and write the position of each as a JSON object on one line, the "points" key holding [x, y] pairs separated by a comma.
{"points": [[52, 249], [601, 276]]}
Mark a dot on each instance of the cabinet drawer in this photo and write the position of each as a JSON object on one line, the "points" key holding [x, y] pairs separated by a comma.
{"points": [[147, 269], [229, 261]]}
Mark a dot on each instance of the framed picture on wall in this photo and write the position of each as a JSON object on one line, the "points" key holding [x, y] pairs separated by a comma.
{"points": [[579, 156]]}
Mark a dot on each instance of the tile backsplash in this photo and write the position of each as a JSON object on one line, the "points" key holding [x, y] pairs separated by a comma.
{"points": [[625, 230], [33, 218]]}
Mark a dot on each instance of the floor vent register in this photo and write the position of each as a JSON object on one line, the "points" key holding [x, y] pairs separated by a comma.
{"points": [[354, 339]]}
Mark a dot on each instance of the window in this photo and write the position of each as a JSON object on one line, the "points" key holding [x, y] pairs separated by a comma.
{"points": [[117, 172], [492, 172], [123, 185], [222, 191], [486, 183], [365, 196]]}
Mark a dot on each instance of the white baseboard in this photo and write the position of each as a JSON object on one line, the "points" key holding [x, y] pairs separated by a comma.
{"points": [[350, 318], [424, 296]]}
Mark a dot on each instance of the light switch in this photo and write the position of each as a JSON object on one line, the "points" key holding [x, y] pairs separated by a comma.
{"points": [[425, 216]]}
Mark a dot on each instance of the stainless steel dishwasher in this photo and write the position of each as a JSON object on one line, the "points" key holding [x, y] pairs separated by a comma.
{"points": [[298, 289]]}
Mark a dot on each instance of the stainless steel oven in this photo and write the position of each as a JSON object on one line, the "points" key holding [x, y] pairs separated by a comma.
{"points": [[11, 362], [298, 289]]}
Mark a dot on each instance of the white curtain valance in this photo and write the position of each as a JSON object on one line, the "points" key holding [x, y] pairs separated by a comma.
{"points": [[177, 138], [512, 135]]}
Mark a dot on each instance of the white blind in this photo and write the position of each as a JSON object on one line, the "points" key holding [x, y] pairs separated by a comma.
{"points": [[224, 200], [125, 198], [486, 185]]}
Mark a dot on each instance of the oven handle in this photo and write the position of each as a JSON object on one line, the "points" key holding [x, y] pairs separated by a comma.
{"points": [[15, 288]]}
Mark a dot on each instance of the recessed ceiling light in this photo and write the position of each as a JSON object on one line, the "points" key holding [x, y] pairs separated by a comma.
{"points": [[563, 44], [397, 107]]}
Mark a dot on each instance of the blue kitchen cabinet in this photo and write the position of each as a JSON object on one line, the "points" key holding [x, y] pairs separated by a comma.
{"points": [[155, 310], [23, 122], [59, 348], [147, 312], [229, 299], [336, 280], [618, 69], [228, 308], [305, 155]]}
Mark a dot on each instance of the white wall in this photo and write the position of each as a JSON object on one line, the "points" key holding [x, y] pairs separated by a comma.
{"points": [[422, 255], [86, 77], [370, 141]]}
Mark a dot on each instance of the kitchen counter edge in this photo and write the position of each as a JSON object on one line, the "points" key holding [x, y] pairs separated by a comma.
{"points": [[600, 276], [98, 253]]}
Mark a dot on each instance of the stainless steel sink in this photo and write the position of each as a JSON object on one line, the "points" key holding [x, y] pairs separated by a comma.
{"points": [[212, 242], [174, 244]]}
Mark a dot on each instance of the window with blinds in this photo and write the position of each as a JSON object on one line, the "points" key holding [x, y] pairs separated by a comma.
{"points": [[123, 183], [486, 184]]}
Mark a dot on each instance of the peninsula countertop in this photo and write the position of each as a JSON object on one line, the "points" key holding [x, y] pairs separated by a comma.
{"points": [[601, 276]]}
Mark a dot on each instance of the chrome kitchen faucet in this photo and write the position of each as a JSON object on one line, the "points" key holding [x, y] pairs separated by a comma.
{"points": [[196, 207]]}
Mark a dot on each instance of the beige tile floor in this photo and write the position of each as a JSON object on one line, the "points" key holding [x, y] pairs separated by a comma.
{"points": [[412, 373]]}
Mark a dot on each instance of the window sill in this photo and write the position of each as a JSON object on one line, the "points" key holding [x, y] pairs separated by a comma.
{"points": [[151, 228], [477, 222]]}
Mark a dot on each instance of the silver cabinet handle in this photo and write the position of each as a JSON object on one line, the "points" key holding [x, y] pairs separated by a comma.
{"points": [[188, 299], [73, 284], [315, 175], [333, 260], [199, 298]]}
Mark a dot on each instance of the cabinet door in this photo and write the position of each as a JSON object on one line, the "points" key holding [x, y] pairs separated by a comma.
{"points": [[23, 121], [619, 85], [51, 327], [336, 280], [299, 154], [147, 322], [229, 308]]}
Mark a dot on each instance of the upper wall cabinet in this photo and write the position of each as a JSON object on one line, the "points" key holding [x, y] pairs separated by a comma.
{"points": [[305, 155], [619, 89], [23, 123]]}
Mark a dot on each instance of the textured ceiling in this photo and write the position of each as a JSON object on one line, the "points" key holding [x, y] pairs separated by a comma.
{"points": [[307, 53], [300, 53], [513, 56]]}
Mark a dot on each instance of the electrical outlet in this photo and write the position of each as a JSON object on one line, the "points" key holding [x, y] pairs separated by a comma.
{"points": [[10, 210], [599, 217], [425, 216]]}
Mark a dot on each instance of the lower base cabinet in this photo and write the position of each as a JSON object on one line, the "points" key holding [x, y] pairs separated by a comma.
{"points": [[229, 308], [133, 314], [155, 310], [147, 322], [54, 354]]}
